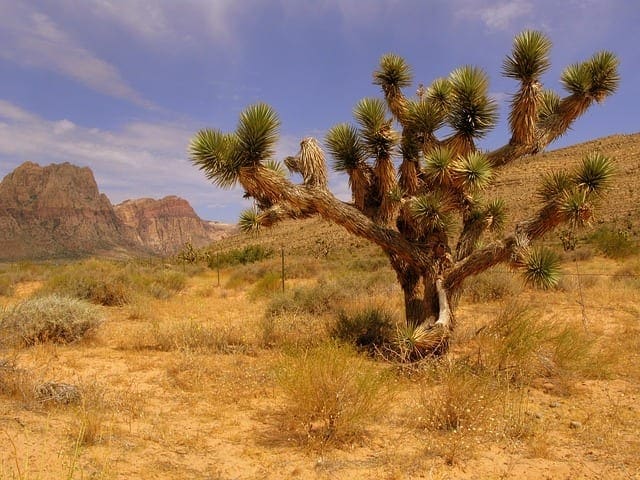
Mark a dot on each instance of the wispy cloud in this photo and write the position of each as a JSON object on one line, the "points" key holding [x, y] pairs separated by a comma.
{"points": [[496, 15], [31, 38]]}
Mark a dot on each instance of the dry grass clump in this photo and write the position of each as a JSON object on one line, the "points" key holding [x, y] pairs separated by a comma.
{"points": [[114, 284], [519, 346], [53, 318], [189, 336], [331, 393], [289, 330], [15, 382], [491, 285]]}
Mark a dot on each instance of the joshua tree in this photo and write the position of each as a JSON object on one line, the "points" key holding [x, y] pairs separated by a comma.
{"points": [[425, 201]]}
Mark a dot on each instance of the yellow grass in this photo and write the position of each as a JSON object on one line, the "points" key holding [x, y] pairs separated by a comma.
{"points": [[191, 386]]}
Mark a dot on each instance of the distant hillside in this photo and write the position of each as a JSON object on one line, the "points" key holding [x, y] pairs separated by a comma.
{"points": [[58, 211], [516, 184]]}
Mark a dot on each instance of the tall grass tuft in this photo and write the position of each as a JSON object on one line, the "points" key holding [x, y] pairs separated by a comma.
{"points": [[331, 392], [53, 319]]}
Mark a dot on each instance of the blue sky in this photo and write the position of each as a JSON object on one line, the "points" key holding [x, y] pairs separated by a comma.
{"points": [[122, 85]]}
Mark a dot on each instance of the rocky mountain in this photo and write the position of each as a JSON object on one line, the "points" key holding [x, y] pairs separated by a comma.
{"points": [[162, 225], [57, 211]]}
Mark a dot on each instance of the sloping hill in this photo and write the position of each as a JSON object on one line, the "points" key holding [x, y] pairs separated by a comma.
{"points": [[516, 184]]}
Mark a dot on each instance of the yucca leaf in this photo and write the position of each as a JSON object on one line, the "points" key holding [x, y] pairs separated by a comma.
{"points": [[474, 171], [576, 78], [379, 138], [594, 173], [257, 133], [371, 114], [496, 214], [605, 78], [424, 117], [549, 105], [541, 267], [276, 167], [529, 58], [576, 207], [343, 142], [393, 73], [554, 185], [439, 166], [472, 112], [431, 212], [249, 221], [215, 153], [439, 94]]}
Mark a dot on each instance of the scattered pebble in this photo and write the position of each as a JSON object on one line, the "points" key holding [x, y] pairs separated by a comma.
{"points": [[575, 425], [554, 404]]}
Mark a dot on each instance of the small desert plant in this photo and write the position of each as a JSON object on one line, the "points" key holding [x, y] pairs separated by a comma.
{"points": [[368, 328], [100, 282], [459, 397], [614, 243], [331, 392], [53, 318]]}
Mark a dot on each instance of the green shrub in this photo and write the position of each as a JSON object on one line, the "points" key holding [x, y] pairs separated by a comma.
{"points": [[239, 256], [331, 392], [366, 329], [53, 319], [96, 281], [614, 243]]}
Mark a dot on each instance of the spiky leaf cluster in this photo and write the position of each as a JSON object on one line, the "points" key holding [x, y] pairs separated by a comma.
{"points": [[529, 58], [221, 155], [596, 78], [343, 142], [249, 221], [431, 212], [473, 172], [377, 135], [594, 173], [541, 267], [393, 73], [439, 167], [472, 113]]}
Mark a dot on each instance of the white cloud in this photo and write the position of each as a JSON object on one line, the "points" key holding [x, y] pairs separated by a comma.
{"points": [[499, 15], [166, 23], [31, 38]]}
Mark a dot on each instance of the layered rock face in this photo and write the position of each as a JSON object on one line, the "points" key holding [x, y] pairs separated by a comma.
{"points": [[166, 225], [57, 211]]}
